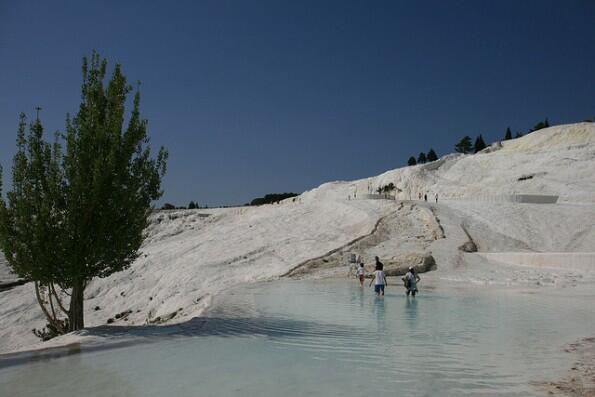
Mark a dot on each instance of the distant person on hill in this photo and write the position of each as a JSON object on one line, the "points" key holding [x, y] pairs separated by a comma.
{"points": [[361, 274], [426, 197], [419, 196], [379, 279], [436, 198], [411, 279]]}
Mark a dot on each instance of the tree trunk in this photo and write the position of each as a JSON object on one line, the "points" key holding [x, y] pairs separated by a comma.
{"points": [[52, 320], [76, 319]]}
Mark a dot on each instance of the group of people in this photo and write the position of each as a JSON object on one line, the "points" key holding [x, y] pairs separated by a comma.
{"points": [[425, 196], [410, 279]]}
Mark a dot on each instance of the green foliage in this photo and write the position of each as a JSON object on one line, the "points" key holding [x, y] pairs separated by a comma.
{"points": [[272, 198], [32, 217], [479, 144], [421, 159], [432, 156], [50, 331], [79, 214], [464, 145], [508, 134], [411, 161], [388, 188], [192, 205], [540, 125]]}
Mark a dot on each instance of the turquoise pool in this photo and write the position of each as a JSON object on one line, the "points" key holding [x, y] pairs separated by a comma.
{"points": [[329, 338]]}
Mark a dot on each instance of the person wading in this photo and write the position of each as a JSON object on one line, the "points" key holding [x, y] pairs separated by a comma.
{"points": [[361, 274], [379, 279], [411, 279]]}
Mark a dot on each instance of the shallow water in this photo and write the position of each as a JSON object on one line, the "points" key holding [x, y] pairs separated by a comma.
{"points": [[330, 338]]}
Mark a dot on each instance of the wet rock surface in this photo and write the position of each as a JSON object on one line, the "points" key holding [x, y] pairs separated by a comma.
{"points": [[469, 246], [420, 262], [400, 239], [580, 380]]}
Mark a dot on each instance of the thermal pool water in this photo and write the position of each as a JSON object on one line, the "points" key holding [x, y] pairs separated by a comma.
{"points": [[328, 338]]}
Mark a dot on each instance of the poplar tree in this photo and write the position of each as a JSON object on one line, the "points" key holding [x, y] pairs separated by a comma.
{"points": [[80, 213], [508, 134], [421, 159], [411, 161], [479, 144]]}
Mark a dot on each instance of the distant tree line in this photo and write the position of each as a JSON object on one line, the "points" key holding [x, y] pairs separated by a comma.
{"points": [[423, 158], [192, 205], [267, 199], [466, 145], [272, 198]]}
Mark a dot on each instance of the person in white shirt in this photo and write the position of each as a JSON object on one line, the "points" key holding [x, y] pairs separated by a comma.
{"points": [[361, 274], [411, 279], [379, 279]]}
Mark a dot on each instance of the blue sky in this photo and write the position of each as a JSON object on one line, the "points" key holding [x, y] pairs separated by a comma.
{"points": [[270, 96]]}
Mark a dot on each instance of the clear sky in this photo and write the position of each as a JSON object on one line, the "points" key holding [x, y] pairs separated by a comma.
{"points": [[254, 97]]}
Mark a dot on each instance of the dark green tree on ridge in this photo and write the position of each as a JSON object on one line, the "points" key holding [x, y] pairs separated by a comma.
{"points": [[508, 134], [479, 144], [421, 159], [432, 156], [464, 145]]}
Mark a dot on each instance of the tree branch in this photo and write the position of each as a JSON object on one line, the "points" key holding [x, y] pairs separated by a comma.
{"points": [[58, 301], [51, 304], [51, 320]]}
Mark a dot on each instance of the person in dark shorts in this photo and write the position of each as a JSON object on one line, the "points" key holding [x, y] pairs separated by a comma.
{"points": [[379, 279]]}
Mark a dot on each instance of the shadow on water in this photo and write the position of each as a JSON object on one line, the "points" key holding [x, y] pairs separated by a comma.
{"points": [[88, 378], [123, 336]]}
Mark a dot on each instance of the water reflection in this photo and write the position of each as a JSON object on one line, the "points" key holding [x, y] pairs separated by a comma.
{"points": [[411, 313], [380, 312], [358, 296], [411, 307]]}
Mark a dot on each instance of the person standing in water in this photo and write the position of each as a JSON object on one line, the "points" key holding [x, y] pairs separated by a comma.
{"points": [[411, 279], [361, 274], [378, 263], [379, 279]]}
